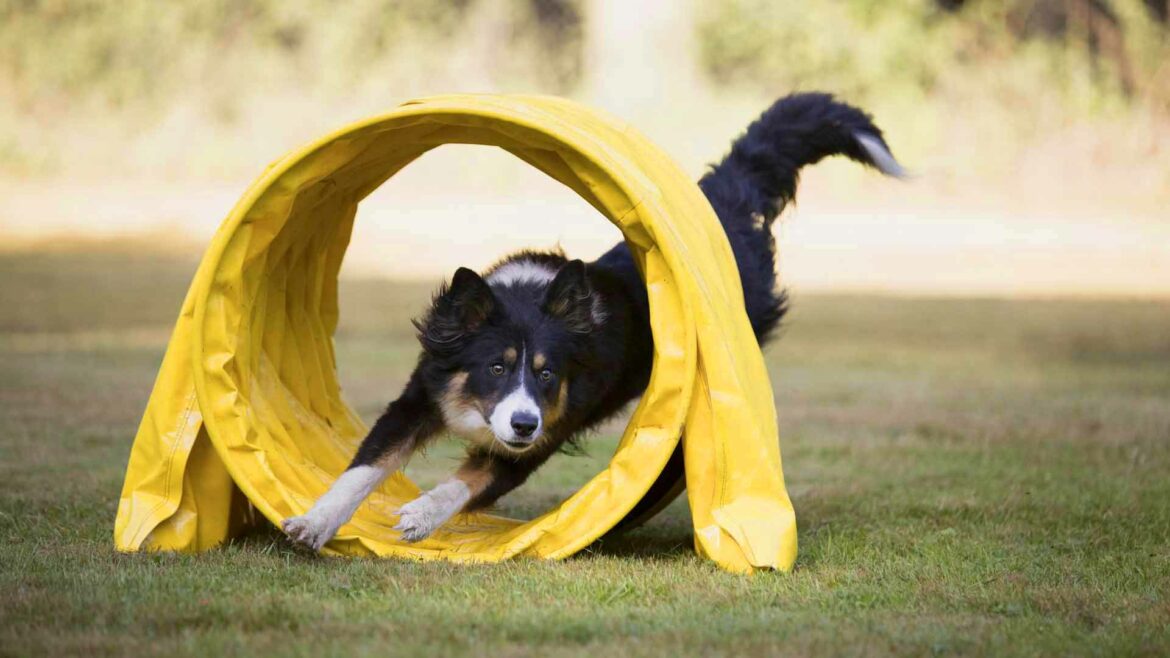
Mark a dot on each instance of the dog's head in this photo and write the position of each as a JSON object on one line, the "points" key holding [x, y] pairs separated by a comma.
{"points": [[507, 347]]}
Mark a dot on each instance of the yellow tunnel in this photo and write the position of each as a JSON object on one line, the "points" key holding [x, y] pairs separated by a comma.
{"points": [[247, 415]]}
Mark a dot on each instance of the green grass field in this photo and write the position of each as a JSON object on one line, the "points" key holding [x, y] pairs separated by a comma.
{"points": [[971, 477]]}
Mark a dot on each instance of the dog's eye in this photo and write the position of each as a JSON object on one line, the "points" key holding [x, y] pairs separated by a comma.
{"points": [[496, 369], [546, 375]]}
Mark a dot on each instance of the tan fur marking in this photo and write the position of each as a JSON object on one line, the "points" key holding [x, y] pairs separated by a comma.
{"points": [[553, 415], [510, 355], [457, 382], [456, 404], [395, 460], [476, 479], [453, 395], [538, 361]]}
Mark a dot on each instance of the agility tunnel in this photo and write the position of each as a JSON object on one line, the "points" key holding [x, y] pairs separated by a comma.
{"points": [[246, 420]]}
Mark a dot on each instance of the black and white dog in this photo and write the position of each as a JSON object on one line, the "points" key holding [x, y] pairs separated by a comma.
{"points": [[522, 359]]}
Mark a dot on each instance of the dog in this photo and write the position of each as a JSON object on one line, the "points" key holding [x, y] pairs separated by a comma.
{"points": [[521, 360]]}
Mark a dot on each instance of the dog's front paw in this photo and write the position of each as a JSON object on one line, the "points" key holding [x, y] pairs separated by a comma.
{"points": [[420, 517], [309, 530]]}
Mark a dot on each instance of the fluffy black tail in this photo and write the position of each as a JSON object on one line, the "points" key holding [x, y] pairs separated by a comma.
{"points": [[758, 178], [759, 175]]}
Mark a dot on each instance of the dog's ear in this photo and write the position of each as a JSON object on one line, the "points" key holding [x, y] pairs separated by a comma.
{"points": [[571, 300], [457, 310]]}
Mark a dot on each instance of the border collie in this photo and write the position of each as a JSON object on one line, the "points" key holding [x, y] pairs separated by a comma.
{"points": [[522, 359]]}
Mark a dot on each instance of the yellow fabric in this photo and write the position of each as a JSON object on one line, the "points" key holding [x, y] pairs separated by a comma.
{"points": [[250, 368]]}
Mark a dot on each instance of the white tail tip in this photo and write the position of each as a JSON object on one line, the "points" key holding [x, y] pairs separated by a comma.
{"points": [[880, 155]]}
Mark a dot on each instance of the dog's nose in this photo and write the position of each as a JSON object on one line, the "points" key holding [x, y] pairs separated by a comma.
{"points": [[524, 423]]}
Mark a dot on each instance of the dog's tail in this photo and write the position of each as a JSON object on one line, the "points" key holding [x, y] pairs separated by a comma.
{"points": [[759, 176], [750, 187]]}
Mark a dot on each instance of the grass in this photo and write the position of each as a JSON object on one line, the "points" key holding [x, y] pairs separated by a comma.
{"points": [[971, 477]]}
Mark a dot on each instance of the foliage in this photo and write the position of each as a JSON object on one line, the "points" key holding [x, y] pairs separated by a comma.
{"points": [[135, 52], [864, 48]]}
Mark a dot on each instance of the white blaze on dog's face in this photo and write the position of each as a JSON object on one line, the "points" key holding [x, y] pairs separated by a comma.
{"points": [[516, 419], [507, 380]]}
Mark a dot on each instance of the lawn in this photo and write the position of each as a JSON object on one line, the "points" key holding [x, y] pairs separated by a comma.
{"points": [[971, 477]]}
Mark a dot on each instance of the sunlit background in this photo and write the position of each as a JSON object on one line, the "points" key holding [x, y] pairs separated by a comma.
{"points": [[1038, 130]]}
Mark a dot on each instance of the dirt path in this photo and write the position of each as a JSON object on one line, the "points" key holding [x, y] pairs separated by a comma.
{"points": [[891, 240]]}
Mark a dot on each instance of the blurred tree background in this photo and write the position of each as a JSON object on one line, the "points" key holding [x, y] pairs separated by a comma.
{"points": [[1093, 53], [139, 53], [1034, 99], [214, 63]]}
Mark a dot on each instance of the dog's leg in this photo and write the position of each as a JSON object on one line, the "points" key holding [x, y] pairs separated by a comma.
{"points": [[423, 515], [479, 482], [406, 424]]}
